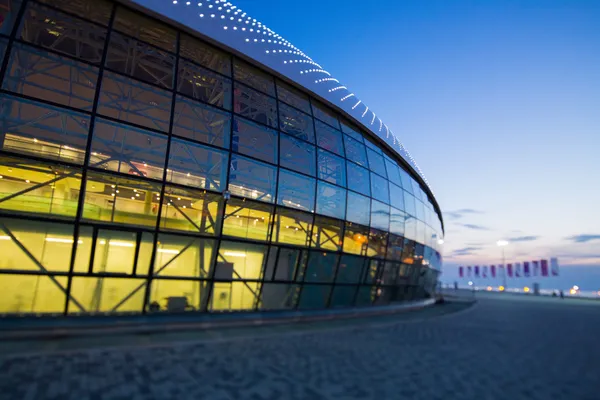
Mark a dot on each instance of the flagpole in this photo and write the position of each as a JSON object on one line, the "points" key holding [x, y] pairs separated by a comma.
{"points": [[503, 243]]}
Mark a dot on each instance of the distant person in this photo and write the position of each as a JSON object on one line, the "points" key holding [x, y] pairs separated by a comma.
{"points": [[562, 295]]}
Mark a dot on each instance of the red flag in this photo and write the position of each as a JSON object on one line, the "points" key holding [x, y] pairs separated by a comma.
{"points": [[544, 264], [509, 270], [493, 270], [460, 272]]}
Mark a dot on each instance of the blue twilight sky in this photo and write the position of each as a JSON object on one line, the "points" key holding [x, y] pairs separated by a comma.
{"points": [[497, 100]]}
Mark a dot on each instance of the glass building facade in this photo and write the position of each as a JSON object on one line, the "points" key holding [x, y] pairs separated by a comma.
{"points": [[144, 170]]}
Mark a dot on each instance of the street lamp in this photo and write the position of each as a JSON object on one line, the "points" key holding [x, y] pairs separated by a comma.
{"points": [[503, 244]]}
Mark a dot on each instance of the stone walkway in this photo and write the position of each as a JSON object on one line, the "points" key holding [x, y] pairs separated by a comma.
{"points": [[494, 350]]}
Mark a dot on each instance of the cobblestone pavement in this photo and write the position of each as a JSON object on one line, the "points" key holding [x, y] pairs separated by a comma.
{"points": [[494, 350]]}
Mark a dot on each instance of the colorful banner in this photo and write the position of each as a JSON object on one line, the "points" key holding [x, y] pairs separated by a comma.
{"points": [[526, 268], [477, 271], [493, 270], [469, 270], [460, 272], [554, 266], [535, 268], [509, 270], [484, 271], [517, 270], [544, 267]]}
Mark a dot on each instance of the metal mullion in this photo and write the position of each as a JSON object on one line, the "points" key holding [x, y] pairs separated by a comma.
{"points": [[57, 53], [44, 101], [138, 243], [333, 282], [32, 272], [132, 124], [92, 250], [11, 39], [150, 276], [88, 147]]}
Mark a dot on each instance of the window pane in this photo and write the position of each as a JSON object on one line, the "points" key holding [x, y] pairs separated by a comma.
{"points": [[379, 188], [292, 227], [204, 85], [372, 146], [255, 105], [397, 218], [140, 60], [396, 196], [293, 97], [122, 200], [146, 29], [377, 243], [201, 123], [22, 294], [106, 295], [327, 233], [324, 114], [350, 269], [321, 267], [297, 155], [247, 219], [296, 123], [406, 181], [395, 248], [51, 77], [329, 138], [9, 13], [355, 151], [296, 191], [252, 179], [356, 238], [50, 244], [410, 227], [253, 77], [131, 101], [376, 163], [191, 210], [358, 179], [389, 274], [352, 131], [286, 264], [205, 55], [254, 140], [380, 215], [332, 168], [343, 296], [115, 252], [195, 165], [314, 296], [393, 173], [331, 200], [183, 256], [44, 131], [97, 10], [278, 296], [128, 150], [172, 295], [410, 204], [62, 33], [38, 187], [372, 271], [360, 209]]}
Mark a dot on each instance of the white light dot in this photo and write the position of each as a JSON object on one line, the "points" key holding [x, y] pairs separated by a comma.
{"points": [[201, 15]]}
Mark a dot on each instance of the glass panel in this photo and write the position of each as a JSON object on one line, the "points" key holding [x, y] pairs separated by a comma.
{"points": [[406, 181], [50, 132], [183, 256], [201, 123], [278, 296], [397, 218], [114, 252], [97, 10], [296, 123], [8, 14], [389, 273], [253, 77], [331, 200], [359, 210], [396, 196], [420, 232], [191, 210], [352, 131], [314, 296], [51, 77], [329, 138], [321, 267], [332, 168], [131, 101], [296, 191], [128, 150], [420, 210], [410, 204], [358, 179], [297, 155], [370, 145], [140, 60], [255, 105], [379, 188], [195, 165], [356, 238], [377, 243], [144, 28], [106, 295], [293, 97], [324, 114], [3, 43], [177, 296], [350, 269], [393, 173], [376, 163], [416, 189], [343, 296], [122, 200], [205, 55], [38, 187], [35, 246], [286, 264], [365, 295], [247, 219], [252, 179], [410, 227], [380, 215], [233, 296], [293, 227], [355, 151], [327, 233], [22, 294], [204, 85], [254, 140], [62, 33]]}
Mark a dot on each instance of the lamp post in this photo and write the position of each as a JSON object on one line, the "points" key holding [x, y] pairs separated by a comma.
{"points": [[503, 244]]}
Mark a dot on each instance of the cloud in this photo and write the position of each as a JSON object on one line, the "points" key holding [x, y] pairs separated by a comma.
{"points": [[583, 238], [476, 227], [465, 251], [524, 239], [461, 213]]}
